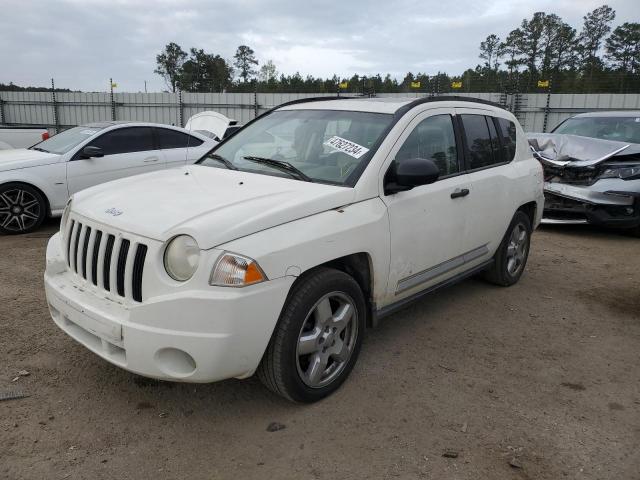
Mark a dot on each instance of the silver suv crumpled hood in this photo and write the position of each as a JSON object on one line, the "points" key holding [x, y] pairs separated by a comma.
{"points": [[212, 205]]}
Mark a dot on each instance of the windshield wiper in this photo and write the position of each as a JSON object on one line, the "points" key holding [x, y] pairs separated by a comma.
{"points": [[280, 165], [223, 160], [40, 149]]}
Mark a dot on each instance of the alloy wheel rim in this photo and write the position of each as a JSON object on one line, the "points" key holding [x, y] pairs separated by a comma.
{"points": [[19, 210], [517, 249], [327, 339]]}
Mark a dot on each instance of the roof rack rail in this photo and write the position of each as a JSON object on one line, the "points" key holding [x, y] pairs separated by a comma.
{"points": [[447, 98]]}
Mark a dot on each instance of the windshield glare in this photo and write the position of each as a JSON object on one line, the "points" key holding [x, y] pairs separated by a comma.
{"points": [[65, 141], [326, 145], [621, 129]]}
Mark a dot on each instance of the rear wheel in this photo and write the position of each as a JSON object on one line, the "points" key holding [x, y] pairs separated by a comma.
{"points": [[317, 339], [512, 254], [22, 208]]}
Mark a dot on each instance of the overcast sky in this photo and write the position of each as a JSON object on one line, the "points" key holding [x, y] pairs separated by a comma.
{"points": [[81, 43]]}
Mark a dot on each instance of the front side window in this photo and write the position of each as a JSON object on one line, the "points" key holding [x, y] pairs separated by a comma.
{"points": [[65, 141], [621, 129], [125, 140], [480, 149], [326, 146], [168, 138], [432, 139]]}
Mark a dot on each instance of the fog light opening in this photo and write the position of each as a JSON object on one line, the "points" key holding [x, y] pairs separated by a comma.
{"points": [[174, 362]]}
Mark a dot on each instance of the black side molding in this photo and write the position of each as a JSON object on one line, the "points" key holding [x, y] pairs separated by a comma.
{"points": [[399, 305]]}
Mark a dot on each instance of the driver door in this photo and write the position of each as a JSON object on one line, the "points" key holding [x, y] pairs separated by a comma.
{"points": [[127, 151], [427, 223]]}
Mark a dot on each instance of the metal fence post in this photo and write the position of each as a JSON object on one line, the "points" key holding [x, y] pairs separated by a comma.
{"points": [[180, 109], [255, 101], [546, 108], [113, 103], [2, 119], [56, 117]]}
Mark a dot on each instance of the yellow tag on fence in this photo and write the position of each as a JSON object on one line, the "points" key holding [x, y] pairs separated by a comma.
{"points": [[415, 84], [344, 85], [543, 83], [456, 84]]}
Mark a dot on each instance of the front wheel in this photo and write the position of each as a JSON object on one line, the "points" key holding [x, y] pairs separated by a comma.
{"points": [[22, 208], [317, 339], [513, 252]]}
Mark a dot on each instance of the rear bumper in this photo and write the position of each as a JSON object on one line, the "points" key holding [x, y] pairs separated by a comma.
{"points": [[193, 336], [584, 204]]}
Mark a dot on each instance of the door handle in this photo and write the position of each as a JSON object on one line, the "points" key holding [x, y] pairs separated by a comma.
{"points": [[460, 192], [150, 159]]}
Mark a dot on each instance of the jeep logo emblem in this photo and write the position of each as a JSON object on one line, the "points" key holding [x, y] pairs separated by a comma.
{"points": [[114, 211]]}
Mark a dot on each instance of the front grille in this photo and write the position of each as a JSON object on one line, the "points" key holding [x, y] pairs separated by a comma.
{"points": [[114, 264]]}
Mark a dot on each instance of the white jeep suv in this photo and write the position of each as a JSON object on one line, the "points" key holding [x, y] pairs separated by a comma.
{"points": [[281, 245]]}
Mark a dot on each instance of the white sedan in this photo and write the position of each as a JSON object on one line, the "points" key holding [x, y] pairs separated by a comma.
{"points": [[36, 182]]}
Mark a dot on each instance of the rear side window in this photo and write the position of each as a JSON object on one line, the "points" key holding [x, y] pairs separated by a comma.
{"points": [[508, 136], [125, 140], [173, 139], [433, 139], [480, 149]]}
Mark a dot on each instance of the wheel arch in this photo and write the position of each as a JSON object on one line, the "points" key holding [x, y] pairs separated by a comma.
{"points": [[529, 209], [358, 266]]}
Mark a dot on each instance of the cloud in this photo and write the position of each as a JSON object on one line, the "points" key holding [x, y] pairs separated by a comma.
{"points": [[83, 43]]}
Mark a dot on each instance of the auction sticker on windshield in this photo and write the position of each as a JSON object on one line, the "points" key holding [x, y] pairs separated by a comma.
{"points": [[345, 146]]}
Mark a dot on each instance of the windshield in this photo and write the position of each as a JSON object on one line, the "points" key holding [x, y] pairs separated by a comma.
{"points": [[65, 141], [621, 129], [324, 145]]}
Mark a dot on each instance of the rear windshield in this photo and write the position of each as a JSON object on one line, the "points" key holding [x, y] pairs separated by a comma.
{"points": [[621, 129], [327, 146], [65, 141]]}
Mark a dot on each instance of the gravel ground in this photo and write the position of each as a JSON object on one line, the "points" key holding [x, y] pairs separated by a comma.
{"points": [[544, 376]]}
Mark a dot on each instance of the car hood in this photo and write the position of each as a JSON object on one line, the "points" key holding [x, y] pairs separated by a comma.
{"points": [[24, 158], [563, 150], [212, 205]]}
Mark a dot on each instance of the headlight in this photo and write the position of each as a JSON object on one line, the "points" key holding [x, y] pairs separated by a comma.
{"points": [[630, 172], [181, 258], [233, 270]]}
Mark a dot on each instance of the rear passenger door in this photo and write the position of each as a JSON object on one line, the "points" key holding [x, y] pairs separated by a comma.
{"points": [[127, 151], [489, 144], [178, 148]]}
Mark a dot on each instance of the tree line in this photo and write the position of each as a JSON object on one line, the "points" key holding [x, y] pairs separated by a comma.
{"points": [[543, 54]]}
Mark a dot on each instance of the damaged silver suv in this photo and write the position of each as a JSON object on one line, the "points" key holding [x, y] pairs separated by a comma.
{"points": [[592, 170]]}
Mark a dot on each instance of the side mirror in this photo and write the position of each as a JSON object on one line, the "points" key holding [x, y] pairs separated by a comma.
{"points": [[91, 152], [410, 173]]}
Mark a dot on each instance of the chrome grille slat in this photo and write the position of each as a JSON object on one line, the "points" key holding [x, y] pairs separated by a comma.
{"points": [[110, 261]]}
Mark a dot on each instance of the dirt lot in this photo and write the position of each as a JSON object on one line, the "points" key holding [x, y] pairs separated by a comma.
{"points": [[545, 375]]}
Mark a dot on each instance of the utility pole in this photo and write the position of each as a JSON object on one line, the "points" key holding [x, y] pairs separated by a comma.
{"points": [[145, 86]]}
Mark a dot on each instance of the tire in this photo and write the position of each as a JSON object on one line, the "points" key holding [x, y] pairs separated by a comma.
{"points": [[512, 254], [313, 349], [22, 208]]}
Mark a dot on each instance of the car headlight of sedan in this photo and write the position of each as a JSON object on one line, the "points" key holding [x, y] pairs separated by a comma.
{"points": [[232, 270], [626, 172], [181, 258]]}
